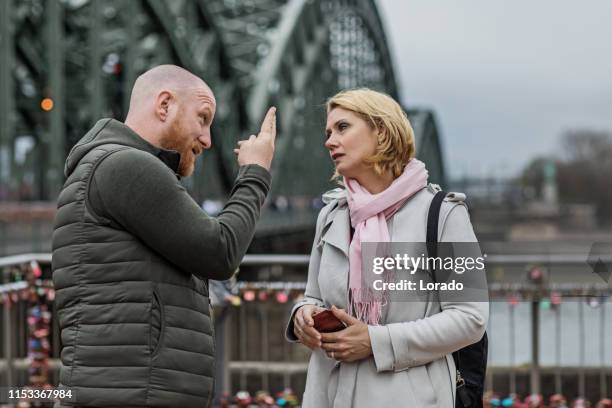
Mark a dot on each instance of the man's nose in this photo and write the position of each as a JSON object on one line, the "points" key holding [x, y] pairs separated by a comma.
{"points": [[206, 140]]}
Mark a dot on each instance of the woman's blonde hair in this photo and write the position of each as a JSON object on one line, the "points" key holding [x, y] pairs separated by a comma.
{"points": [[396, 142]]}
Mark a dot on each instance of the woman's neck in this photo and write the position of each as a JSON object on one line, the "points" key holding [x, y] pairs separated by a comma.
{"points": [[374, 182]]}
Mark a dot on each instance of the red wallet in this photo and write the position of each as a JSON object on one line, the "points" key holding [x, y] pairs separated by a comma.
{"points": [[326, 322]]}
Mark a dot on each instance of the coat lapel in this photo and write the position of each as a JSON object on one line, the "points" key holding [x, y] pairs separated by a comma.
{"points": [[338, 233]]}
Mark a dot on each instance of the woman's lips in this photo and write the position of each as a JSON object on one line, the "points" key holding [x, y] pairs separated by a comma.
{"points": [[335, 157]]}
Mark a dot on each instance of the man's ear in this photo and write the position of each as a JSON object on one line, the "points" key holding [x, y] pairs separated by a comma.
{"points": [[162, 105]]}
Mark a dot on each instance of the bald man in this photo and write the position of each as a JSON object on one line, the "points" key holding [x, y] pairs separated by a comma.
{"points": [[132, 251]]}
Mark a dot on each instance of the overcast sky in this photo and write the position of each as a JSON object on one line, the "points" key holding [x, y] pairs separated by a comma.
{"points": [[505, 78]]}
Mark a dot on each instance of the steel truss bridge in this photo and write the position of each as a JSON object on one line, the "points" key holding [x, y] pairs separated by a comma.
{"points": [[67, 63]]}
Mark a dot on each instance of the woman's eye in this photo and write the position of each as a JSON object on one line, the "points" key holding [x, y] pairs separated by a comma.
{"points": [[342, 126]]}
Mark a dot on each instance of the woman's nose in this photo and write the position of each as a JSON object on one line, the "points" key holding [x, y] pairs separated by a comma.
{"points": [[330, 143]]}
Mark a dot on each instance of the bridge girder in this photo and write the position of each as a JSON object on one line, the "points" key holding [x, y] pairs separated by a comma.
{"points": [[253, 53]]}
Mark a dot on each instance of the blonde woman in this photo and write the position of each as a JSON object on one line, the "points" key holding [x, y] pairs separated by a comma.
{"points": [[390, 353]]}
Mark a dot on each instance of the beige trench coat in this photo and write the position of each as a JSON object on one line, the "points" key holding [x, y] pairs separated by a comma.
{"points": [[411, 365]]}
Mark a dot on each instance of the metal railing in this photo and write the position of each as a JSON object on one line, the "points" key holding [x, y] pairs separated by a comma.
{"points": [[273, 357]]}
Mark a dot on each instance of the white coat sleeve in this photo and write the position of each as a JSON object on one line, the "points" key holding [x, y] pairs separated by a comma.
{"points": [[399, 346], [312, 294]]}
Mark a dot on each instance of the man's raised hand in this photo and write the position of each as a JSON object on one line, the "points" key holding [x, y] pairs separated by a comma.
{"points": [[259, 149]]}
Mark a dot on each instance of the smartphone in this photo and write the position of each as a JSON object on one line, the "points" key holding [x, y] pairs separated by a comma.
{"points": [[327, 322]]}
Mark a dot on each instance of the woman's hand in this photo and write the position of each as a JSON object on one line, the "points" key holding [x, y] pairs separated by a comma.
{"points": [[303, 326], [350, 344]]}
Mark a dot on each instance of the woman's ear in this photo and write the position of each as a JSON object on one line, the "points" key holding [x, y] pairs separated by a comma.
{"points": [[381, 131], [380, 128]]}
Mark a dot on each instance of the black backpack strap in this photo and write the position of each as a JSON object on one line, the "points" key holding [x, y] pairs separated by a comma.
{"points": [[433, 218], [471, 371]]}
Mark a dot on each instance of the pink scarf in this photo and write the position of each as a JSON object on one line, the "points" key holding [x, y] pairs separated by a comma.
{"points": [[369, 214]]}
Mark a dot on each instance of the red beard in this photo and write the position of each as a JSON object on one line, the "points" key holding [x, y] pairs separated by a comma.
{"points": [[177, 139]]}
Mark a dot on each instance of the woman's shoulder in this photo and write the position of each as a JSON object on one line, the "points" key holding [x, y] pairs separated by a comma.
{"points": [[337, 198], [334, 197], [418, 205], [454, 219], [454, 222], [332, 200], [451, 198]]}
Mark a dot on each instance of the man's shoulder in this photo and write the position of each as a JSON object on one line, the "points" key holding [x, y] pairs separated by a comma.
{"points": [[125, 158], [122, 152], [129, 166], [123, 173]]}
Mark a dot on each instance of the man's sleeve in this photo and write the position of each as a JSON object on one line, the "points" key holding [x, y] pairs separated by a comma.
{"points": [[136, 190]]}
